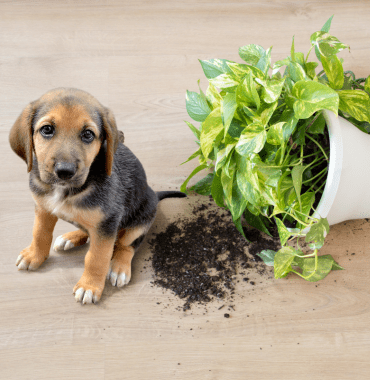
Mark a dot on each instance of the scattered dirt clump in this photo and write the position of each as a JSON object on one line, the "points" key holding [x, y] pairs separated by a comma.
{"points": [[199, 258]]}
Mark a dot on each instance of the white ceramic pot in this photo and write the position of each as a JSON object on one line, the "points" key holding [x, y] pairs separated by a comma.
{"points": [[347, 191]]}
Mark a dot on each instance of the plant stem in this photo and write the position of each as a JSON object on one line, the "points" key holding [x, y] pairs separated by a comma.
{"points": [[310, 179], [316, 162], [321, 186], [313, 154], [313, 185], [308, 53], [322, 150], [314, 119], [299, 221]]}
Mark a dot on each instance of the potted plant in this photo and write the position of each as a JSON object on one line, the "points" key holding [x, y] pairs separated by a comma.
{"points": [[266, 142]]}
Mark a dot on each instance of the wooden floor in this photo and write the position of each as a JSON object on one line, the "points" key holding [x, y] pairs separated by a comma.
{"points": [[139, 58]]}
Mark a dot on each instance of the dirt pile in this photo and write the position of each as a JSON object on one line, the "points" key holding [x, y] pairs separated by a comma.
{"points": [[200, 258]]}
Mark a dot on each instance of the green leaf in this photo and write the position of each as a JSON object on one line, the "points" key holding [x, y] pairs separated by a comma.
{"points": [[271, 89], [296, 72], [256, 221], [313, 96], [215, 67], [292, 55], [239, 227], [211, 127], [228, 107], [249, 193], [240, 70], [266, 111], [367, 84], [238, 202], [317, 233], [252, 139], [251, 53], [318, 125], [222, 156], [324, 266], [283, 260], [336, 266], [290, 119], [197, 106], [325, 28], [235, 129], [192, 174], [310, 69], [297, 173], [327, 44], [307, 201], [278, 64], [196, 131], [275, 134], [246, 92], [213, 96], [267, 256], [217, 191], [264, 62], [284, 234], [356, 103], [225, 82], [195, 154], [334, 71], [327, 25], [248, 172], [227, 180], [203, 186], [268, 175]]}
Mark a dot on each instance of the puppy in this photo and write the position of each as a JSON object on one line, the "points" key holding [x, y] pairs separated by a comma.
{"points": [[81, 172]]}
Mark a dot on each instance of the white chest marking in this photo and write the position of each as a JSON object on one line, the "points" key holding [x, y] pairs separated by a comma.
{"points": [[58, 204]]}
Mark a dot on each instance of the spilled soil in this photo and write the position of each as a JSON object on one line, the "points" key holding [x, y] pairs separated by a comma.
{"points": [[201, 258]]}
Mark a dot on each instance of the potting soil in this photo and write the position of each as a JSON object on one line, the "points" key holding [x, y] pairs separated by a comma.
{"points": [[200, 258]]}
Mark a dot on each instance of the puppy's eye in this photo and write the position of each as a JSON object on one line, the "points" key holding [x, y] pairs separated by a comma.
{"points": [[47, 131], [87, 136]]}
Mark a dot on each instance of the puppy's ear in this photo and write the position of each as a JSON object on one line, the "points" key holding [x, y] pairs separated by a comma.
{"points": [[112, 137], [20, 136]]}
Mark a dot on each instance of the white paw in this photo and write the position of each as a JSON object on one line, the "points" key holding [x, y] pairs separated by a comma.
{"points": [[62, 244], [85, 296], [24, 264], [118, 280]]}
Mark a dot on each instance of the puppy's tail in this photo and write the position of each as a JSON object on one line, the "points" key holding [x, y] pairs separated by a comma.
{"points": [[170, 194]]}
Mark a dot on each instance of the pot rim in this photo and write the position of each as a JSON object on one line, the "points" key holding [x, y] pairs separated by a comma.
{"points": [[335, 166]]}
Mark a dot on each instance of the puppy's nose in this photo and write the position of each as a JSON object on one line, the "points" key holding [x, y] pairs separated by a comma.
{"points": [[65, 170]]}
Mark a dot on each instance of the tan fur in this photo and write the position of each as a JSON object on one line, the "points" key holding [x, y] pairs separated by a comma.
{"points": [[77, 238], [123, 252], [20, 137], [38, 251], [23, 144], [97, 262], [69, 122], [67, 210]]}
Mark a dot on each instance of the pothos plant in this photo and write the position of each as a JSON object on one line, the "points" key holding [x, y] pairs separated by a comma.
{"points": [[255, 127]]}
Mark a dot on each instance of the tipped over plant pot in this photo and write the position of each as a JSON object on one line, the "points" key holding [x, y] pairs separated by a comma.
{"points": [[283, 150]]}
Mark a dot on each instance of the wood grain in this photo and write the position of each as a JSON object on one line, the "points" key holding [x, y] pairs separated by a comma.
{"points": [[139, 58]]}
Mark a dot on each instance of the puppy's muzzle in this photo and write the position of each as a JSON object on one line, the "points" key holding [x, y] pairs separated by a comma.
{"points": [[65, 170]]}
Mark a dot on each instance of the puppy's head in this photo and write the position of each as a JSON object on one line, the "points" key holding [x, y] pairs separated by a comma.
{"points": [[65, 129]]}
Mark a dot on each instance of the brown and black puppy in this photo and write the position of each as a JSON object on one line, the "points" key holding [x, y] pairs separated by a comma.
{"points": [[81, 172]]}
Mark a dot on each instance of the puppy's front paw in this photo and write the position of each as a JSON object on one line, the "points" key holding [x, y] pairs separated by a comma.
{"points": [[87, 291], [70, 240], [30, 259], [119, 274]]}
